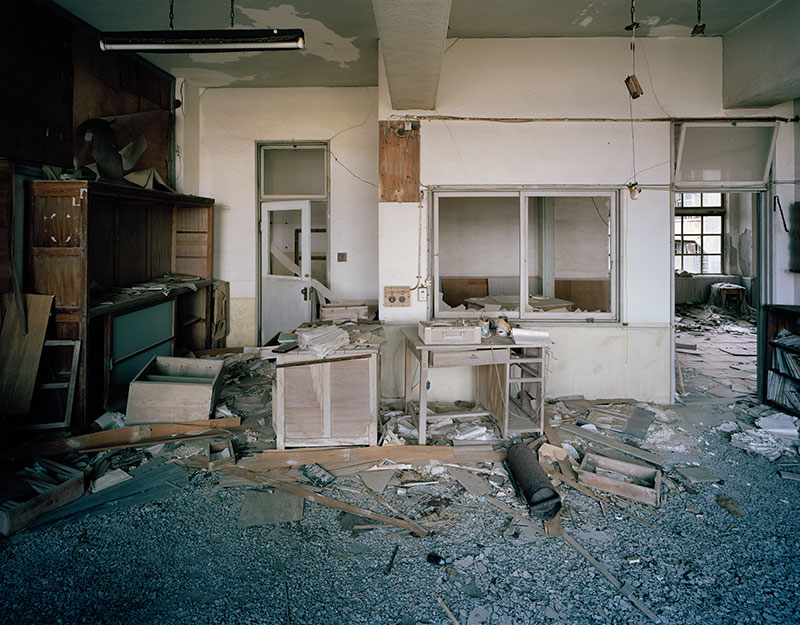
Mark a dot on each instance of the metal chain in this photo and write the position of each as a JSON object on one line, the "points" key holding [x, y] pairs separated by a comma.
{"points": [[633, 11], [171, 13], [699, 10], [231, 13]]}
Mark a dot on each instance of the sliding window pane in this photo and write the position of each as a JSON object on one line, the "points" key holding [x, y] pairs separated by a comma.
{"points": [[569, 261], [712, 264], [712, 224], [712, 200], [479, 253], [712, 245], [691, 264]]}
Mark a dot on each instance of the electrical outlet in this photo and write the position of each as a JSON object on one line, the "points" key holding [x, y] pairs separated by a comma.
{"points": [[422, 294], [341, 257], [397, 296]]}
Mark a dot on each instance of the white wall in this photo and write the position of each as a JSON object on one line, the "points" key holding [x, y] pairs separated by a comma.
{"points": [[231, 122], [579, 79], [187, 138]]}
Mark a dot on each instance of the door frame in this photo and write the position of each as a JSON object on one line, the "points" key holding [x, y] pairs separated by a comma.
{"points": [[259, 198]]}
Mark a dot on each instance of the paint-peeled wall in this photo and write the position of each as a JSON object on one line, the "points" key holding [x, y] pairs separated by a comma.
{"points": [[580, 137], [231, 122]]}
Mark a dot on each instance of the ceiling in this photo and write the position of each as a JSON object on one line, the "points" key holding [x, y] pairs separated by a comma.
{"points": [[342, 37]]}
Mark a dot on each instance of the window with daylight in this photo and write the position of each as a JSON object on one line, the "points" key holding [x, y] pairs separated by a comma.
{"points": [[527, 254], [699, 222]]}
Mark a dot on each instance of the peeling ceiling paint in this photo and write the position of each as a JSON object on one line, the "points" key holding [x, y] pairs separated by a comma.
{"points": [[321, 41], [342, 38]]}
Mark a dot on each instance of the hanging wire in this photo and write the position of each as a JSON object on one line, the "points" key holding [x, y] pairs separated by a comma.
{"points": [[632, 27], [171, 13]]}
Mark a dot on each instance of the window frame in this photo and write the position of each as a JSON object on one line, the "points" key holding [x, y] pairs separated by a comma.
{"points": [[263, 146], [525, 194], [701, 211]]}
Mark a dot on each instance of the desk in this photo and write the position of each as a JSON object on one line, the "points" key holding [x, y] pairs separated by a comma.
{"points": [[499, 362]]}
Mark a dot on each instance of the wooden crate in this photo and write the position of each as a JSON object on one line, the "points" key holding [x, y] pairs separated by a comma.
{"points": [[324, 402], [15, 515], [172, 390], [644, 487]]}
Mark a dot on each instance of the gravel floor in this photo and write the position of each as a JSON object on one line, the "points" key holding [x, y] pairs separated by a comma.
{"points": [[183, 559]]}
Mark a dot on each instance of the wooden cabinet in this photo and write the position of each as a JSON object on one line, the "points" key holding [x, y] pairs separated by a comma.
{"points": [[84, 238], [327, 401], [779, 372]]}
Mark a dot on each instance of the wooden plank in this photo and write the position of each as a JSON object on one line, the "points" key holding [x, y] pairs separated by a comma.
{"points": [[20, 353], [13, 520], [131, 436], [587, 475], [274, 459], [613, 444], [398, 162], [414, 528]]}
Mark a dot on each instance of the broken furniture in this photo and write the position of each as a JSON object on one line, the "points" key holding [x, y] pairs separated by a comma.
{"points": [[174, 390], [326, 401], [343, 312], [55, 393], [779, 370], [619, 477], [499, 362], [87, 242], [721, 292], [50, 486]]}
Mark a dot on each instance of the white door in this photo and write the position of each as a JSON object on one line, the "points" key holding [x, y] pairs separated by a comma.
{"points": [[285, 266]]}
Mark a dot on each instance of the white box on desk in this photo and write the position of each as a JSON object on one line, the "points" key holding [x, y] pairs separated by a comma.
{"points": [[450, 332]]}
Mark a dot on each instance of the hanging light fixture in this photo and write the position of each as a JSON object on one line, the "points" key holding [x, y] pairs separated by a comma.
{"points": [[176, 41], [635, 90], [699, 28]]}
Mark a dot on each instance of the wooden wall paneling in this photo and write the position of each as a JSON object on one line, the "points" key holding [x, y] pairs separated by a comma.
{"points": [[350, 398], [132, 244], [102, 223], [398, 163], [6, 226], [38, 81], [159, 239]]}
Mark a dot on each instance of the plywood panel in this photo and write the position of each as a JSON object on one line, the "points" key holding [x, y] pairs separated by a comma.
{"points": [[20, 353], [398, 163], [302, 402]]}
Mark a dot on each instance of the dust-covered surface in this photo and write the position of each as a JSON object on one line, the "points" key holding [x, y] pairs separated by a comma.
{"points": [[184, 560], [711, 553]]}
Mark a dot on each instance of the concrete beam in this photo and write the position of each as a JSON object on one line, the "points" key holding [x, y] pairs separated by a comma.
{"points": [[412, 35], [761, 58]]}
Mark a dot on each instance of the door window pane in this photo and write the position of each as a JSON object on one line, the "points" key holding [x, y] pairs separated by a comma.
{"points": [[283, 245]]}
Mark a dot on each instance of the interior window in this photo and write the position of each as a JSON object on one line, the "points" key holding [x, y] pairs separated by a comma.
{"points": [[563, 245]]}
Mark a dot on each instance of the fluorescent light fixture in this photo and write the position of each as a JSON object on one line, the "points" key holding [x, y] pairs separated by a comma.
{"points": [[175, 41]]}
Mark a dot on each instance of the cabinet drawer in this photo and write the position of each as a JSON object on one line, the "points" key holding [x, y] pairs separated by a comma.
{"points": [[469, 357]]}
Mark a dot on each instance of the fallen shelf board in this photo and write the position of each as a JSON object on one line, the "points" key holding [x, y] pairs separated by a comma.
{"points": [[274, 458], [614, 444]]}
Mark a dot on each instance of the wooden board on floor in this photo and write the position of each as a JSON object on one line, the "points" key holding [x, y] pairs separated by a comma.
{"points": [[613, 444], [20, 353], [412, 454]]}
